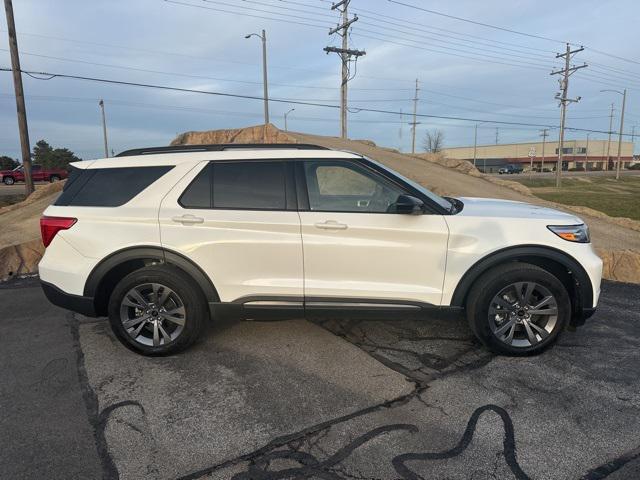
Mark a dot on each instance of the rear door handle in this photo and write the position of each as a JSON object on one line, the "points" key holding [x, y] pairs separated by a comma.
{"points": [[331, 225], [187, 219]]}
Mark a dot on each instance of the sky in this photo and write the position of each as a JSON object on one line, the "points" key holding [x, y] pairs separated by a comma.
{"points": [[465, 70]]}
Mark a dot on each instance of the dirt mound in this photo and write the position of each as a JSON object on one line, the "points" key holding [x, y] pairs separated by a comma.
{"points": [[253, 134], [621, 265], [468, 168], [45, 191], [20, 259]]}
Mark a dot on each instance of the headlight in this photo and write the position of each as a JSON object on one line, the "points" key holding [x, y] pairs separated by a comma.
{"points": [[571, 233]]}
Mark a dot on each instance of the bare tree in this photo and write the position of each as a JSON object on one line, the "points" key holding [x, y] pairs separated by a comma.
{"points": [[434, 141]]}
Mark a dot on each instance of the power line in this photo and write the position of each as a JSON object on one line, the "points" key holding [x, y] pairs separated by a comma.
{"points": [[262, 17], [388, 22], [540, 37], [520, 65], [495, 27], [280, 100]]}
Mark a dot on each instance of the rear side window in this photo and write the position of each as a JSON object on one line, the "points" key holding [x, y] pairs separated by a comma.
{"points": [[108, 187], [198, 193], [249, 185]]}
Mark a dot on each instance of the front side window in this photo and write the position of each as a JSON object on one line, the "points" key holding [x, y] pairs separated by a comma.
{"points": [[337, 186]]}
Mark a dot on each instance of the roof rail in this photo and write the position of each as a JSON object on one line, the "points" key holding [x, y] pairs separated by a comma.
{"points": [[218, 148]]}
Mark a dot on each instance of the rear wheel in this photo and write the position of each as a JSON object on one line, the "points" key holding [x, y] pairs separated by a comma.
{"points": [[157, 310], [54, 178], [518, 309], [8, 180]]}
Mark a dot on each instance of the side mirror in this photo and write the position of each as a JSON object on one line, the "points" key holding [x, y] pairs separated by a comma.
{"points": [[408, 205]]}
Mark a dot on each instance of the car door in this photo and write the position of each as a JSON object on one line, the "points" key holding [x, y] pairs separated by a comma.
{"points": [[237, 221], [356, 248]]}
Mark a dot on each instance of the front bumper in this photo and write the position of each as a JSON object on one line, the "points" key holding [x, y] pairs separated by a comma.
{"points": [[75, 303]]}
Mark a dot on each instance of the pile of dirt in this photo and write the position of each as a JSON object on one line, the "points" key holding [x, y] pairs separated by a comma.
{"points": [[20, 244], [468, 168], [255, 134], [20, 259]]}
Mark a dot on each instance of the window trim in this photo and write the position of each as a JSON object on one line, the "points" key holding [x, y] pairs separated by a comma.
{"points": [[289, 185], [430, 207]]}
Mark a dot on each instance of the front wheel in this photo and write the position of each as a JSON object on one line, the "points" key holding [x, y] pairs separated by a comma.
{"points": [[54, 178], [518, 309], [157, 310], [8, 180]]}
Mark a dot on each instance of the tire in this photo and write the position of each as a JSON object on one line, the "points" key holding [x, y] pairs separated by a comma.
{"points": [[8, 180], [505, 323], [172, 308], [54, 178]]}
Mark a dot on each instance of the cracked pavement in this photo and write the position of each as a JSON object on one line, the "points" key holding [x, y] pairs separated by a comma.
{"points": [[335, 400]]}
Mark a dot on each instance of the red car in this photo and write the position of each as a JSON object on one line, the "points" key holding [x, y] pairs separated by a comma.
{"points": [[39, 174]]}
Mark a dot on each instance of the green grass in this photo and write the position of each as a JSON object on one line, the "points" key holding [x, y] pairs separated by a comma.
{"points": [[617, 198]]}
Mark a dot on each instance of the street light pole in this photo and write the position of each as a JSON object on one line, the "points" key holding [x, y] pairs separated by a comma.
{"points": [[265, 82], [285, 119], [104, 129]]}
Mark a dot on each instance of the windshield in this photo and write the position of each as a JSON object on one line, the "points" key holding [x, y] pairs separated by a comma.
{"points": [[443, 202]]}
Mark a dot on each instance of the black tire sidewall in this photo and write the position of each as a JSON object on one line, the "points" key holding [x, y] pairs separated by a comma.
{"points": [[8, 181], [492, 283], [194, 302]]}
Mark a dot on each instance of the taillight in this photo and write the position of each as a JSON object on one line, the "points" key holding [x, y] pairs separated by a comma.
{"points": [[50, 226]]}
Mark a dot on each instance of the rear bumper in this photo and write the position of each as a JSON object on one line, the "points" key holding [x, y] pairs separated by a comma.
{"points": [[75, 303]]}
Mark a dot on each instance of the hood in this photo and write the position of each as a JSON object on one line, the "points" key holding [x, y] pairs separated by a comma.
{"points": [[493, 207]]}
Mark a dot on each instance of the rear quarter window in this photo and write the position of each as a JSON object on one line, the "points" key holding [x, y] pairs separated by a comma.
{"points": [[108, 187]]}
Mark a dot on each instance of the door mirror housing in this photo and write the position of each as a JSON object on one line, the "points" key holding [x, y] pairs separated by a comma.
{"points": [[408, 205]]}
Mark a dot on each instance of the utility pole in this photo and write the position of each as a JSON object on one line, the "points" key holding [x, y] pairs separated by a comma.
{"points": [[586, 154], [400, 132], [544, 136], [285, 119], [345, 56], [414, 124], [475, 143], [566, 72], [497, 134], [265, 83], [19, 93], [104, 129], [609, 138], [624, 100]]}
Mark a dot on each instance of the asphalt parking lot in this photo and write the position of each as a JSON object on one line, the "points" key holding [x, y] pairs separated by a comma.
{"points": [[340, 400]]}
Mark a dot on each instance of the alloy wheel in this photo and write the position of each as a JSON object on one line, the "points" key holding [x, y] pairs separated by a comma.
{"points": [[523, 314], [153, 314]]}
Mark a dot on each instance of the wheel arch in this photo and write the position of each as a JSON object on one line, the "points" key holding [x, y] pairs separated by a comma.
{"points": [[104, 276], [567, 269]]}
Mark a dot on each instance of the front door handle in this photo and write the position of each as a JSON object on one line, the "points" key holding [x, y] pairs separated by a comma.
{"points": [[187, 219], [331, 225]]}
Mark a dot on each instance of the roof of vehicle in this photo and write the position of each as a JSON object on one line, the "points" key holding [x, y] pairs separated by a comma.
{"points": [[173, 155]]}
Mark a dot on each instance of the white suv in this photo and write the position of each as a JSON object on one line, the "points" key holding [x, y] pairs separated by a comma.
{"points": [[162, 239]]}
